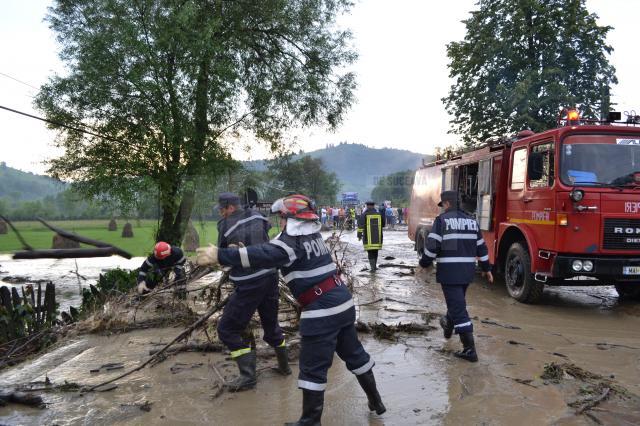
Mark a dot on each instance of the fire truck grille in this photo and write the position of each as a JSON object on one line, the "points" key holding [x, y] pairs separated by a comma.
{"points": [[621, 234]]}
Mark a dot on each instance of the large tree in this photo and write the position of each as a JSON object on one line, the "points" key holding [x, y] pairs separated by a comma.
{"points": [[163, 82], [304, 175], [521, 62]]}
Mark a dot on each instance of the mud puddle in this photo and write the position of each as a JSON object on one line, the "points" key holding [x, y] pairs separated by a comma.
{"points": [[419, 379]]}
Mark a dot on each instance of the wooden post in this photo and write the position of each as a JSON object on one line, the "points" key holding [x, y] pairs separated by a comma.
{"points": [[50, 302]]}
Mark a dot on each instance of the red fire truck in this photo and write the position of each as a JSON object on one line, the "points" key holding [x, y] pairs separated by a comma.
{"points": [[561, 207]]}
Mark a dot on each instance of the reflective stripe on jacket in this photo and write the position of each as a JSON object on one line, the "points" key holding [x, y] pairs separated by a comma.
{"points": [[248, 227], [304, 261], [455, 242], [370, 227]]}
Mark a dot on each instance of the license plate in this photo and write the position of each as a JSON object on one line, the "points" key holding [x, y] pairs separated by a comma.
{"points": [[631, 270]]}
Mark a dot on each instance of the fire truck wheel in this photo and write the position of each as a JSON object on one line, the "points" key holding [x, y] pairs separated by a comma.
{"points": [[628, 291], [517, 274]]}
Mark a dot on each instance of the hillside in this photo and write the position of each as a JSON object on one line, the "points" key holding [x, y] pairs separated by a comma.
{"points": [[16, 185], [359, 167]]}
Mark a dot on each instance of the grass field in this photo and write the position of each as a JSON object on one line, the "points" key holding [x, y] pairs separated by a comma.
{"points": [[37, 236]]}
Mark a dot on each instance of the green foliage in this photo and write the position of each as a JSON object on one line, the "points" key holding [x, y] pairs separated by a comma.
{"points": [[111, 283], [395, 187], [305, 175], [521, 62], [167, 82]]}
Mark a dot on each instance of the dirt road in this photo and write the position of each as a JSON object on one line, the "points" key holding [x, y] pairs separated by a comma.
{"points": [[420, 381]]}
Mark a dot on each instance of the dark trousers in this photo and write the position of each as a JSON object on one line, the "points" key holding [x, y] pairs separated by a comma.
{"points": [[454, 295], [316, 356], [372, 255], [260, 294]]}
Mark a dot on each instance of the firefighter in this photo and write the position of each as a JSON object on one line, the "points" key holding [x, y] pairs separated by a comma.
{"points": [[328, 312], [370, 225], [455, 241], [255, 288], [155, 268]]}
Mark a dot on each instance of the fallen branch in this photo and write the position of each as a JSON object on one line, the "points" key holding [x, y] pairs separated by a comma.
{"points": [[158, 354]]}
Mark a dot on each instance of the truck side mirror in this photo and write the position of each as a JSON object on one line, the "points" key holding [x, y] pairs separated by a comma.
{"points": [[535, 168]]}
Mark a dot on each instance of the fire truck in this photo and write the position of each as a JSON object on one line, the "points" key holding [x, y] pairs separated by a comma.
{"points": [[560, 207]]}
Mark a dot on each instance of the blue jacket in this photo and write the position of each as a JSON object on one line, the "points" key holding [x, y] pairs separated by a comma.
{"points": [[304, 260], [159, 267], [248, 227], [455, 241]]}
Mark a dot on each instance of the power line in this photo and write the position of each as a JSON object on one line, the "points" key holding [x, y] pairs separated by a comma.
{"points": [[19, 81], [57, 123]]}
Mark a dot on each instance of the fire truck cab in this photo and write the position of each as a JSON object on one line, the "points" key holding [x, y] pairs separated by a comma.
{"points": [[561, 207]]}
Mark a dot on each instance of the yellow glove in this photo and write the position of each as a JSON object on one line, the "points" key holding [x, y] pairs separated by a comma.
{"points": [[207, 256]]}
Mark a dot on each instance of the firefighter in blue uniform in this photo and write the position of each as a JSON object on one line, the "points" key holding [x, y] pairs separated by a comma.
{"points": [[455, 241], [370, 224], [165, 258], [328, 313], [256, 288]]}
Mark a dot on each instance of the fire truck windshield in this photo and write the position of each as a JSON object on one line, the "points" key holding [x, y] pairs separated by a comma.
{"points": [[599, 160]]}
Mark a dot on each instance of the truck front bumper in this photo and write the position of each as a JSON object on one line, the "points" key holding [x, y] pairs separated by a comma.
{"points": [[605, 268]]}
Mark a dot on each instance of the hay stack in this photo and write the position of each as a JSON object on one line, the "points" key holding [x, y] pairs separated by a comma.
{"points": [[60, 242], [113, 226], [191, 238], [3, 227], [127, 231]]}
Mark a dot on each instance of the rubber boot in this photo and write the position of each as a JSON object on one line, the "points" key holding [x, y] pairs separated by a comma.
{"points": [[368, 383], [447, 326], [312, 405], [247, 377], [372, 265], [282, 354], [468, 351]]}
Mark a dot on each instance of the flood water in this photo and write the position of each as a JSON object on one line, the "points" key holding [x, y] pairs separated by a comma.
{"points": [[418, 378]]}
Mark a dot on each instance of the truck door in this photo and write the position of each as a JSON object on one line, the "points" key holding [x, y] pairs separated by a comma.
{"points": [[538, 199], [485, 195]]}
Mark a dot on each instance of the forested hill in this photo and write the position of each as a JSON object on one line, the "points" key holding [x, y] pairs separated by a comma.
{"points": [[359, 167], [16, 185]]}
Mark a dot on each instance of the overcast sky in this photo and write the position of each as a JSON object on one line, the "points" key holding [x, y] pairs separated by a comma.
{"points": [[402, 74]]}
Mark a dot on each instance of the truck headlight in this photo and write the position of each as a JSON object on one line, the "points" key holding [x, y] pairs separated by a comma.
{"points": [[576, 195], [576, 265], [587, 265]]}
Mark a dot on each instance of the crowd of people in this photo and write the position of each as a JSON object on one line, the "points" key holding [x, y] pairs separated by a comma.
{"points": [[337, 217]]}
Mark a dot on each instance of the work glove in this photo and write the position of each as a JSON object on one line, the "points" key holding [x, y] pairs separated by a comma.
{"points": [[207, 256], [359, 236], [489, 276], [142, 288]]}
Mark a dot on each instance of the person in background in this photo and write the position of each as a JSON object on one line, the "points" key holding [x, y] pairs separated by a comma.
{"points": [[383, 213], [455, 241], [327, 321], [323, 215], [400, 215], [155, 268], [370, 232], [335, 215], [390, 218]]}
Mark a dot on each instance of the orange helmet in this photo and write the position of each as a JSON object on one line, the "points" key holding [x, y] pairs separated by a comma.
{"points": [[295, 206], [161, 250]]}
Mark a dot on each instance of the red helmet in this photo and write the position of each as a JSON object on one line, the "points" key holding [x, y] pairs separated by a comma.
{"points": [[295, 206], [161, 250]]}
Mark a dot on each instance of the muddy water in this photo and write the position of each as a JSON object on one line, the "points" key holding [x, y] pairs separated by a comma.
{"points": [[420, 382], [63, 273]]}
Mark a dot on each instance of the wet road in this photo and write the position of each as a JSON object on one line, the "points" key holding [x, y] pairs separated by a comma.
{"points": [[420, 381]]}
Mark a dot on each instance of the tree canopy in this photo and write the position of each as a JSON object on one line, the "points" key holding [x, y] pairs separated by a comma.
{"points": [[305, 175], [170, 85], [395, 187], [521, 62]]}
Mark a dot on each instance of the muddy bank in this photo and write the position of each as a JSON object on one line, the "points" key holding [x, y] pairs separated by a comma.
{"points": [[420, 381]]}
